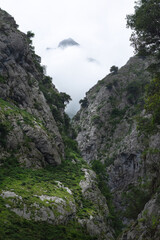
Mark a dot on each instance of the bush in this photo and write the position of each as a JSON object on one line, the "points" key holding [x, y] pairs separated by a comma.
{"points": [[84, 102], [95, 119], [135, 199], [114, 70], [4, 130]]}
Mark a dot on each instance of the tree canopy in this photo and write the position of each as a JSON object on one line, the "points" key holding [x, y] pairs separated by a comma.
{"points": [[145, 23], [114, 70]]}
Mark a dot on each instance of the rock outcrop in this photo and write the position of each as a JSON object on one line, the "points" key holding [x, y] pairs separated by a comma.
{"points": [[29, 115], [107, 131]]}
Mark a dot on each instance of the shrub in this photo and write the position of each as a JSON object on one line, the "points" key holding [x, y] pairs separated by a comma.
{"points": [[114, 69], [95, 119], [135, 199], [109, 86], [84, 102], [4, 130]]}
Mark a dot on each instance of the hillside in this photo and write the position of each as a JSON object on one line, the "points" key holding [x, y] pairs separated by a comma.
{"points": [[112, 129], [95, 178], [47, 191]]}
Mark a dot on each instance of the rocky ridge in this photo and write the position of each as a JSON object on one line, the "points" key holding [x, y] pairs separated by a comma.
{"points": [[107, 132], [20, 76]]}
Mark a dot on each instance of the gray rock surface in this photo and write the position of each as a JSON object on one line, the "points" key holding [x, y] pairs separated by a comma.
{"points": [[21, 74], [58, 211], [97, 224], [107, 131]]}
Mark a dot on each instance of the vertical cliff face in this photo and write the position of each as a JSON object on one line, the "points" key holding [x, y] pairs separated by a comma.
{"points": [[34, 130], [47, 191], [107, 118], [108, 128]]}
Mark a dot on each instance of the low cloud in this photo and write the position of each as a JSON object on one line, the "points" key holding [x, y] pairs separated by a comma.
{"points": [[72, 74], [99, 26]]}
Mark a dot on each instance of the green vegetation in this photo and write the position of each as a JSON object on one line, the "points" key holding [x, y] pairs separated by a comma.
{"points": [[114, 70], [146, 28], [109, 85], [135, 91], [146, 41], [152, 103], [2, 79], [56, 101], [96, 119], [148, 125], [116, 115], [8, 109], [13, 227], [102, 179], [84, 102], [135, 199], [29, 184], [4, 130]]}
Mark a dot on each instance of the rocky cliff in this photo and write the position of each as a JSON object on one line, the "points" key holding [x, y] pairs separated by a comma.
{"points": [[47, 191], [111, 129], [24, 109]]}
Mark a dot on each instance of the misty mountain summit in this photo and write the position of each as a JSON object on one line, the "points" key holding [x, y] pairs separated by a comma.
{"points": [[68, 43]]}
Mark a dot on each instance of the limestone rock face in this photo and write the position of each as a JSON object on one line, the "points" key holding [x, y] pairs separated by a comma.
{"points": [[20, 78], [108, 113], [50, 209], [147, 225], [97, 224], [107, 131]]}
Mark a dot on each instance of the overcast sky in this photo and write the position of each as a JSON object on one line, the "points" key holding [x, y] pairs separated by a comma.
{"points": [[99, 26]]}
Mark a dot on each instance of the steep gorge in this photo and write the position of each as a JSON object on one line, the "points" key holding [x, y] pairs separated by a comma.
{"points": [[47, 190], [111, 129]]}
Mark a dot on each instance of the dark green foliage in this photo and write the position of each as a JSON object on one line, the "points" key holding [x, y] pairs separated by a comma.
{"points": [[65, 98], [4, 130], [42, 181], [152, 107], [47, 80], [27, 230], [152, 103], [114, 70], [145, 23], [96, 119], [145, 38], [146, 126], [2, 79], [71, 146], [84, 102], [100, 170], [109, 86], [117, 115], [135, 199], [36, 58], [53, 97], [30, 35], [135, 91]]}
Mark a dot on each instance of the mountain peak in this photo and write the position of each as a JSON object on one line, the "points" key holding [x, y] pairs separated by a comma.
{"points": [[69, 42]]}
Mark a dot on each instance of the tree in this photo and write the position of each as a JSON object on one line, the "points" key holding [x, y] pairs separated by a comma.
{"points": [[145, 23], [65, 98], [114, 69], [84, 102], [29, 36]]}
